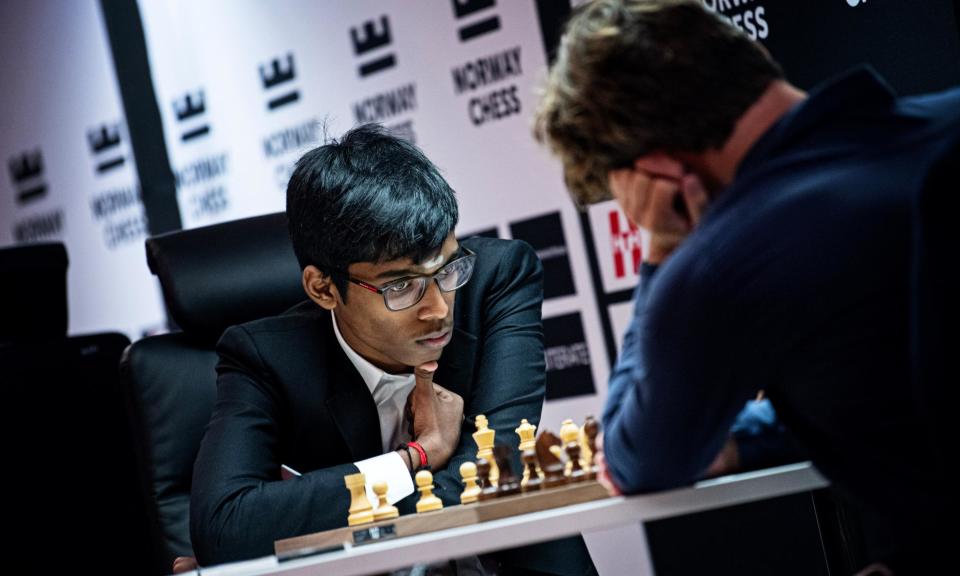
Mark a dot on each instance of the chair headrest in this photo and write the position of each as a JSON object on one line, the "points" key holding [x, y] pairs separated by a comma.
{"points": [[226, 274], [33, 292]]}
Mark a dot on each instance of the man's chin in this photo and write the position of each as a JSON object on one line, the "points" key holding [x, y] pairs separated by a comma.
{"points": [[429, 350], [422, 356], [432, 356]]}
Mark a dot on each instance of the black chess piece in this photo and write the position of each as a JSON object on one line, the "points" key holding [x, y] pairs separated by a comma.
{"points": [[533, 483], [508, 483], [550, 464], [577, 474], [488, 491]]}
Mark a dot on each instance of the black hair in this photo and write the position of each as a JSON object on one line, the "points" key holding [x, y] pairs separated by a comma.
{"points": [[369, 197]]}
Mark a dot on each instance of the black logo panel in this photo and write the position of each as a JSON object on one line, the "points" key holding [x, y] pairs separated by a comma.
{"points": [[567, 357], [545, 234]]}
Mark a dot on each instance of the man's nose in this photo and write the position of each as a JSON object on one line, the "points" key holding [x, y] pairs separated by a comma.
{"points": [[433, 305]]}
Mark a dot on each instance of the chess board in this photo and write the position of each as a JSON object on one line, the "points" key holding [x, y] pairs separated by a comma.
{"points": [[450, 517]]}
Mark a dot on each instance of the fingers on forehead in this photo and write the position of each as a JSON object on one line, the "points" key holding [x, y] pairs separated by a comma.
{"points": [[661, 186], [660, 165]]}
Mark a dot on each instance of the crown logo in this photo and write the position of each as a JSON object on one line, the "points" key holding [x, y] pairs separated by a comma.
{"points": [[189, 106], [106, 137], [278, 75], [463, 8], [371, 38], [26, 166]]}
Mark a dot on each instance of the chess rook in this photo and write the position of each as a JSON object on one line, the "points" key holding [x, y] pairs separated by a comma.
{"points": [[361, 512]]}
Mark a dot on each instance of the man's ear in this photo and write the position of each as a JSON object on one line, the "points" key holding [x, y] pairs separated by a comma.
{"points": [[660, 165], [320, 288]]}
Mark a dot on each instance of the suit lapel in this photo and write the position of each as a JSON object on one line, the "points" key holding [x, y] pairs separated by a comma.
{"points": [[351, 406]]}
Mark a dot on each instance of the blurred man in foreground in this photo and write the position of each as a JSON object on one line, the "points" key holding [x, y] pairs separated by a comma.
{"points": [[781, 231]]}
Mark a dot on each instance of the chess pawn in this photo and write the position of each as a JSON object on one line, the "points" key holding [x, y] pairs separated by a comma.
{"points": [[384, 510], [471, 490], [428, 501], [531, 478], [488, 491], [585, 454], [589, 434], [576, 473], [569, 432], [508, 484], [570, 436], [484, 438], [361, 512]]}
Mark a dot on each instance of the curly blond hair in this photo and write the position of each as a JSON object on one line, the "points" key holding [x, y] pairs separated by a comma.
{"points": [[638, 76]]}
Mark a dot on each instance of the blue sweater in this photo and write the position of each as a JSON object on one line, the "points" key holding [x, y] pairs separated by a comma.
{"points": [[796, 281]]}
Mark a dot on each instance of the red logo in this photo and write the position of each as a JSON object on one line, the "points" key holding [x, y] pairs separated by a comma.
{"points": [[624, 240]]}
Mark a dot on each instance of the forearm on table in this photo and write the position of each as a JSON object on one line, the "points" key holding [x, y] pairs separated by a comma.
{"points": [[233, 518], [630, 360]]}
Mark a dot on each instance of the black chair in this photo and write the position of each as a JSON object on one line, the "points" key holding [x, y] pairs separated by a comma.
{"points": [[934, 289], [212, 278], [33, 293], [69, 456]]}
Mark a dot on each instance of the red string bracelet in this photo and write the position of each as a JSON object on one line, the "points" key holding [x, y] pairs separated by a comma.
{"points": [[423, 454]]}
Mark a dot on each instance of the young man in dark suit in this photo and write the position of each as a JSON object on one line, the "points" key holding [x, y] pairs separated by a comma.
{"points": [[407, 335]]}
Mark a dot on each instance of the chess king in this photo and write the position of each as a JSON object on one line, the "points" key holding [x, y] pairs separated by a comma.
{"points": [[404, 336]]}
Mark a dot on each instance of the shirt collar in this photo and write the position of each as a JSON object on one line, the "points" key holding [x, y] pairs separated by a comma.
{"points": [[372, 376]]}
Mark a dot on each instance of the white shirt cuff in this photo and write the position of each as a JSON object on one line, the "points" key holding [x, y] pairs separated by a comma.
{"points": [[388, 468]]}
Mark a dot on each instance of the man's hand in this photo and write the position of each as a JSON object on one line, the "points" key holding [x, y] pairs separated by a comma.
{"points": [[657, 195], [726, 462], [603, 473], [184, 564], [437, 416]]}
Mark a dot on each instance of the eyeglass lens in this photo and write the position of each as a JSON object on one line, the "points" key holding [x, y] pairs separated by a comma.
{"points": [[407, 292]]}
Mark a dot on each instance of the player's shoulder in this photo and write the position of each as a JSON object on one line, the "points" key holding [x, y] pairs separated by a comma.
{"points": [[300, 317], [495, 253], [942, 106]]}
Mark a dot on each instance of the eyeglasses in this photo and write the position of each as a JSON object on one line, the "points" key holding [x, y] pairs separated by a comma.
{"points": [[406, 292]]}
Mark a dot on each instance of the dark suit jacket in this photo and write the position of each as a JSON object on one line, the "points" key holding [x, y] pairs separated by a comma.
{"points": [[287, 394]]}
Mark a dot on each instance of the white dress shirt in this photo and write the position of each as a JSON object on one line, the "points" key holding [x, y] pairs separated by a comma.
{"points": [[390, 392]]}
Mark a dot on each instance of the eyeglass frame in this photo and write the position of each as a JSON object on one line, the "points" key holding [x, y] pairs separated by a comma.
{"points": [[467, 253]]}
